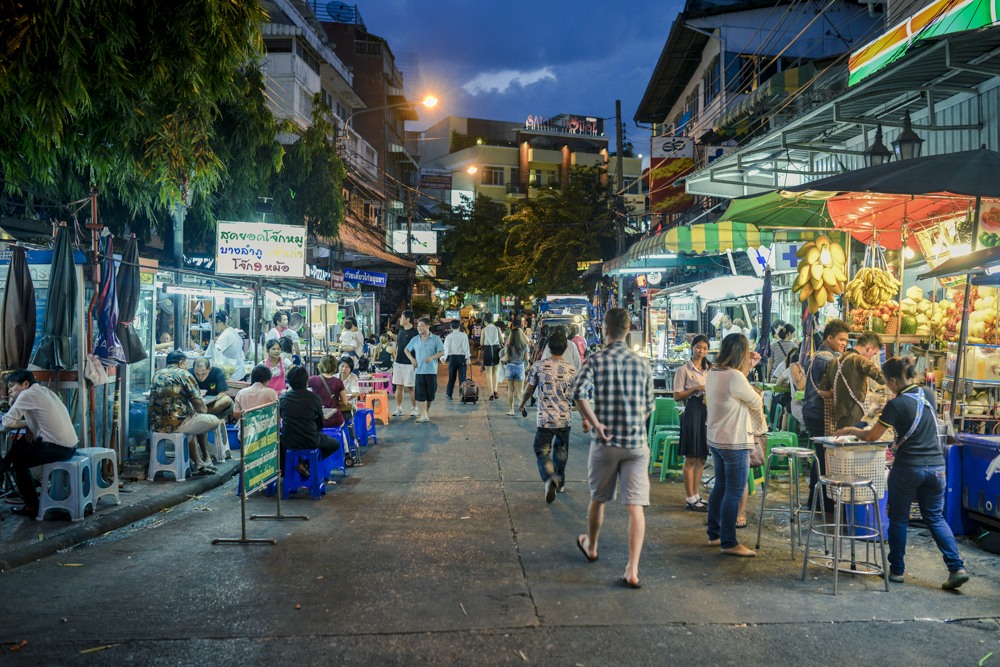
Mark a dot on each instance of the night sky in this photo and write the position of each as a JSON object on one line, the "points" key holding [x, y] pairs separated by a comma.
{"points": [[505, 60]]}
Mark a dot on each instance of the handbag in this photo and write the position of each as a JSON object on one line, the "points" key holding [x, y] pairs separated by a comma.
{"points": [[757, 453]]}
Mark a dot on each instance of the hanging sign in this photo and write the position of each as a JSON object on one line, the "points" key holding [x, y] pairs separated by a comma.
{"points": [[337, 280], [260, 249], [365, 277], [684, 309]]}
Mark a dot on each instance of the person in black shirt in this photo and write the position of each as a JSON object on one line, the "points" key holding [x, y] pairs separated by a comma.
{"points": [[212, 381], [918, 469], [403, 372], [302, 418]]}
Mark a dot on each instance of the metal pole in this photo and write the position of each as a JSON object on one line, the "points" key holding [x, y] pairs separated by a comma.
{"points": [[964, 331], [902, 267], [619, 180]]}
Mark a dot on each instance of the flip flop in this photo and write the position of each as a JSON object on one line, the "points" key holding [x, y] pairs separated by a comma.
{"points": [[579, 545], [628, 584], [741, 523]]}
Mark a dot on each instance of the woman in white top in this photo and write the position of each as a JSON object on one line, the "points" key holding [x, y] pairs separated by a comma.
{"points": [[689, 386], [348, 377], [491, 354], [735, 418]]}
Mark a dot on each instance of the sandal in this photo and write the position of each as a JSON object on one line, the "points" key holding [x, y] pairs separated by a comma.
{"points": [[741, 522]]}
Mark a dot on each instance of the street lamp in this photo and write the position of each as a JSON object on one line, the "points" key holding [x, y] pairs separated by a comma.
{"points": [[429, 101], [908, 143], [877, 153]]}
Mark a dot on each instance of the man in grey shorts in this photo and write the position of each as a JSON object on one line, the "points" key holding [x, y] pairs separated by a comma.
{"points": [[623, 399]]}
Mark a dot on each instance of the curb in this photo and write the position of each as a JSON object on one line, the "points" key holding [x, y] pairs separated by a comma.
{"points": [[119, 517]]}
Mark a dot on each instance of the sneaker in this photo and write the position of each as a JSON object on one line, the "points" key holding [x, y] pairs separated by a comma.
{"points": [[896, 578], [550, 489], [415, 412], [955, 579], [421, 420], [562, 488], [697, 506], [447, 396], [398, 412], [302, 468]]}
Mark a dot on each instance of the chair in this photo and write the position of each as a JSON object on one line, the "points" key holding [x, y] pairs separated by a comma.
{"points": [[836, 487], [293, 481], [364, 427], [664, 414], [104, 463], [378, 403], [218, 443], [233, 436], [67, 485], [168, 452]]}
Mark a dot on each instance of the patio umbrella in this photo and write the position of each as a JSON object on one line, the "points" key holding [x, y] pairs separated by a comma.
{"points": [[127, 285], [55, 351], [17, 314], [107, 348], [764, 337]]}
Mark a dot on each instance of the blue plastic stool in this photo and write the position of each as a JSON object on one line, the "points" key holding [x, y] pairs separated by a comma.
{"points": [[337, 460], [315, 482], [364, 426]]}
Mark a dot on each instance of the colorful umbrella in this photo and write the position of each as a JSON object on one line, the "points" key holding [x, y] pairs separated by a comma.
{"points": [[55, 351], [107, 348], [127, 284], [17, 313]]}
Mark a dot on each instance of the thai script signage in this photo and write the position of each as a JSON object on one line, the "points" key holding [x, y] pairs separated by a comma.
{"points": [[435, 179], [366, 277], [260, 249], [337, 280], [260, 447]]}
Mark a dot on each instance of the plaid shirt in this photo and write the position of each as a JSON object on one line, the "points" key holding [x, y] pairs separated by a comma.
{"points": [[623, 393]]}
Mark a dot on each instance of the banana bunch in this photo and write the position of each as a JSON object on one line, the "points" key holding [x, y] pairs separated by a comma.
{"points": [[822, 273], [872, 287]]}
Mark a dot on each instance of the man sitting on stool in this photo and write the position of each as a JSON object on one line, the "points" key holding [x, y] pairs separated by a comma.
{"points": [[302, 419], [39, 409], [213, 382], [175, 405]]}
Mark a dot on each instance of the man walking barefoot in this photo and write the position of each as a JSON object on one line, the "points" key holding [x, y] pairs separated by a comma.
{"points": [[623, 399]]}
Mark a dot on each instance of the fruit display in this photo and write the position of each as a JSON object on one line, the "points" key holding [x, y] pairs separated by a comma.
{"points": [[875, 320], [872, 287], [923, 317], [822, 273], [989, 227]]}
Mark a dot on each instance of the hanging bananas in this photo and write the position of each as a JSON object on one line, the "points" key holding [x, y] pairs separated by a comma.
{"points": [[822, 273], [872, 287]]}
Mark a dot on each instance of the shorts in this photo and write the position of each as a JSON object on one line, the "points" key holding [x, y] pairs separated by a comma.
{"points": [[514, 372], [607, 464], [402, 374], [425, 387]]}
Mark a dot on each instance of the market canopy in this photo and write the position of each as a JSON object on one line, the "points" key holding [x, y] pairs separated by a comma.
{"points": [[715, 289], [974, 262], [778, 210], [707, 238]]}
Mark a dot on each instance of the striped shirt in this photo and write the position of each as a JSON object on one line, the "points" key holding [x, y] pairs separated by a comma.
{"points": [[623, 394]]}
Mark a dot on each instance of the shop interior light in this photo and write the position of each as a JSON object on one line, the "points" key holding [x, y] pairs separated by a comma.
{"points": [[669, 255], [206, 292], [908, 253], [646, 269], [992, 270]]}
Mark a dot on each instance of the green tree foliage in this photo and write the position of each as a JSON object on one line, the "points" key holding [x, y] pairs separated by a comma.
{"points": [[476, 236], [552, 232], [124, 94]]}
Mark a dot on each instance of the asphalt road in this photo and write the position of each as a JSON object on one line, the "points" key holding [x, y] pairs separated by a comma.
{"points": [[441, 550]]}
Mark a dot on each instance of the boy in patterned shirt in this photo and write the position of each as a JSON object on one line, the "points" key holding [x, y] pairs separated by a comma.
{"points": [[554, 379]]}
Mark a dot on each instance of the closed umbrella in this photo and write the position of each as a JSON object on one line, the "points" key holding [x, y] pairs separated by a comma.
{"points": [[55, 352], [107, 348], [127, 284], [764, 337], [17, 314]]}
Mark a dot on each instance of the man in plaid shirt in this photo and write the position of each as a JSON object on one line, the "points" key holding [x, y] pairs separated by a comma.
{"points": [[623, 399]]}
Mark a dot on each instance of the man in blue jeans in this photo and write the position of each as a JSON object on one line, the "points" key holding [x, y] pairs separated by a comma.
{"points": [[554, 379]]}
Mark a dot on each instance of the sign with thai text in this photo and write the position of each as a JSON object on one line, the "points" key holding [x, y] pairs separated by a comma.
{"points": [[260, 249], [365, 277], [684, 309], [259, 428], [435, 179], [337, 280]]}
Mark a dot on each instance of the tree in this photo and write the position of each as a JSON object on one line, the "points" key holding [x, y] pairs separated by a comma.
{"points": [[551, 233], [122, 94], [475, 237]]}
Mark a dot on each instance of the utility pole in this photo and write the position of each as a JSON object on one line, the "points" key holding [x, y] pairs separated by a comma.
{"points": [[409, 242], [619, 182]]}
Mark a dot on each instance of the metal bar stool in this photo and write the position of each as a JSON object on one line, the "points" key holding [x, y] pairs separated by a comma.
{"points": [[860, 491], [795, 456]]}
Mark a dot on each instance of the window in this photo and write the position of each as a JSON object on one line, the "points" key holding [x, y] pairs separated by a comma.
{"points": [[691, 106], [515, 175], [278, 45], [308, 57], [493, 176], [710, 83]]}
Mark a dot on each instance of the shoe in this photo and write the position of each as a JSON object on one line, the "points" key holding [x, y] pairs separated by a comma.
{"points": [[955, 579], [302, 468], [348, 461], [25, 511], [210, 467], [415, 412], [447, 396], [740, 551], [524, 412], [697, 506], [579, 545], [398, 412], [201, 472], [510, 413], [421, 420], [897, 578], [628, 584], [562, 488], [492, 396], [550, 490]]}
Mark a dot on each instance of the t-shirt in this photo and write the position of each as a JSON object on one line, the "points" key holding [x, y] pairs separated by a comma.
{"points": [[352, 338], [854, 371], [402, 340], [328, 390], [491, 335], [813, 406], [421, 349], [229, 352], [170, 398], [215, 383], [554, 379], [301, 419], [274, 334], [922, 448]]}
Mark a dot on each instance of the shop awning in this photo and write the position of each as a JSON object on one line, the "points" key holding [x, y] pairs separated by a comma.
{"points": [[715, 290], [707, 238], [772, 92], [777, 210]]}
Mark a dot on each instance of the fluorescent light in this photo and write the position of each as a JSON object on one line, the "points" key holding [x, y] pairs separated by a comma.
{"points": [[669, 255], [206, 291], [647, 269], [991, 270]]}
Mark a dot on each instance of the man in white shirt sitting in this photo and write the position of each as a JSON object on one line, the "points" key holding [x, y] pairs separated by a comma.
{"points": [[457, 352], [39, 409], [228, 351]]}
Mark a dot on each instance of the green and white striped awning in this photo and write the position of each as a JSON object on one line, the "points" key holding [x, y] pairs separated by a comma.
{"points": [[708, 238]]}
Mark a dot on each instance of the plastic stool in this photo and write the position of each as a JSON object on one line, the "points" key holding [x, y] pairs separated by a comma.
{"points": [[794, 456], [364, 427], [658, 446], [67, 485], [177, 463], [337, 460], [378, 403], [103, 486], [382, 382], [837, 486], [293, 481], [218, 443], [781, 439]]}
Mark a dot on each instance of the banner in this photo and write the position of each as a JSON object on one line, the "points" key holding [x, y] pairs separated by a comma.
{"points": [[366, 277], [435, 179], [260, 447], [260, 249], [684, 309]]}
